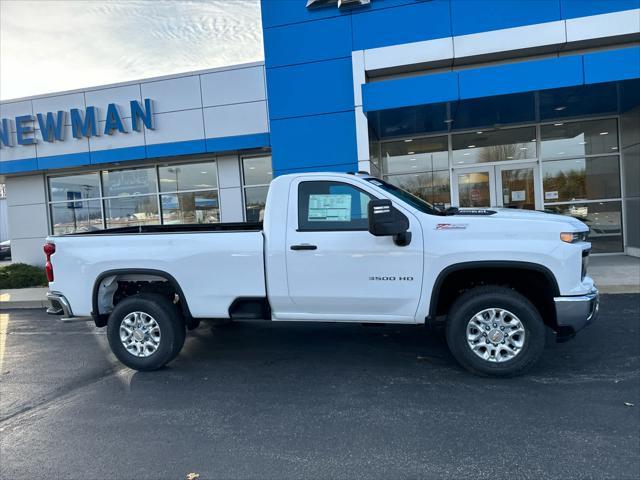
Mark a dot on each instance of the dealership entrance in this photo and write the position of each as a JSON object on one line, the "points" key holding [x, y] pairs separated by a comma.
{"points": [[568, 167], [509, 186]]}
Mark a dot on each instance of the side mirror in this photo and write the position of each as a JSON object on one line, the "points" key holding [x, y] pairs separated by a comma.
{"points": [[386, 220]]}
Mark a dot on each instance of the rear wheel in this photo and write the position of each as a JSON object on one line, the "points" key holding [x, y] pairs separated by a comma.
{"points": [[146, 331], [495, 331]]}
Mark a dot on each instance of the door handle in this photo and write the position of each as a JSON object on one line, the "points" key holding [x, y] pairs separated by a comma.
{"points": [[304, 246]]}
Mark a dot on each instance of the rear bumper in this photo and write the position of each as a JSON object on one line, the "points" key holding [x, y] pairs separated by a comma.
{"points": [[59, 305], [575, 313]]}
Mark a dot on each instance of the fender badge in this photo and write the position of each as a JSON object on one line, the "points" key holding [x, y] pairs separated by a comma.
{"points": [[451, 226]]}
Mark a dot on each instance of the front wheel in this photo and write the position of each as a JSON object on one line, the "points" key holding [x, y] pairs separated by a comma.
{"points": [[495, 331], [146, 331]]}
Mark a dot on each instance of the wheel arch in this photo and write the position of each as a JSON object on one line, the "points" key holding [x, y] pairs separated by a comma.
{"points": [[100, 318], [476, 269]]}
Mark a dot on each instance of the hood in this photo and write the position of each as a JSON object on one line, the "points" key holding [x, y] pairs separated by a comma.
{"points": [[527, 215]]}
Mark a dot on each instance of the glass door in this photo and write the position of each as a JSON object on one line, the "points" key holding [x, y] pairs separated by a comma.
{"points": [[509, 186], [475, 187], [517, 186]]}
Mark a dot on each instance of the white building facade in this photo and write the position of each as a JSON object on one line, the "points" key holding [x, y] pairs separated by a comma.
{"points": [[189, 148]]}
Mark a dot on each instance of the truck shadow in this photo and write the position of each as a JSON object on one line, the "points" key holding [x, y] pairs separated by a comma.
{"points": [[290, 355], [285, 353]]}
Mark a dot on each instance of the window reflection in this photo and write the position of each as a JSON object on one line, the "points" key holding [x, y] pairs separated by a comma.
{"points": [[415, 155], [74, 187], [575, 139], [190, 207], [420, 166], [76, 216], [192, 176], [255, 201], [604, 220], [580, 162], [374, 154], [581, 179], [494, 145], [474, 189], [122, 183], [432, 187], [518, 188], [257, 170], [131, 211], [256, 174]]}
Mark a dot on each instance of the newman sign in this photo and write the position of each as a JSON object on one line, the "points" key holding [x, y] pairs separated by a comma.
{"points": [[84, 123]]}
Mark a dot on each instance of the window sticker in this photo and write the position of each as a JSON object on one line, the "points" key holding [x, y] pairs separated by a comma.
{"points": [[518, 195], [553, 195], [329, 208]]}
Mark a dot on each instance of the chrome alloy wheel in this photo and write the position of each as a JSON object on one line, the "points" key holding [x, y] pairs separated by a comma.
{"points": [[140, 334], [495, 335]]}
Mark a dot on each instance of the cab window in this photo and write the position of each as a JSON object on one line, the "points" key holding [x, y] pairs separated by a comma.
{"points": [[326, 205]]}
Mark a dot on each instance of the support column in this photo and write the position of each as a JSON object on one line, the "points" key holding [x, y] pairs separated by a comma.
{"points": [[230, 189], [362, 124], [28, 218]]}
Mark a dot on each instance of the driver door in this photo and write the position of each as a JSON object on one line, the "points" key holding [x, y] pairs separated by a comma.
{"points": [[337, 270]]}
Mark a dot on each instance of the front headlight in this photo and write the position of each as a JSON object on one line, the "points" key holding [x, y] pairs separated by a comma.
{"points": [[574, 237]]}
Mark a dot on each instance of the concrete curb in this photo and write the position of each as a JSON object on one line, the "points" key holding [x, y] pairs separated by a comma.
{"points": [[618, 289], [24, 298], [12, 305]]}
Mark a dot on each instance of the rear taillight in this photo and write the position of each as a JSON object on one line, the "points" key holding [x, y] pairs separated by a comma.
{"points": [[49, 249]]}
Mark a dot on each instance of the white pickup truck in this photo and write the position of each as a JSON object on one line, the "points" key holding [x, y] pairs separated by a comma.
{"points": [[336, 248]]}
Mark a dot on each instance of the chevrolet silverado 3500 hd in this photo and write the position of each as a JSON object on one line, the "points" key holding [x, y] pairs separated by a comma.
{"points": [[336, 248]]}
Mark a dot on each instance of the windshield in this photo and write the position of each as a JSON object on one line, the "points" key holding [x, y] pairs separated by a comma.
{"points": [[405, 196]]}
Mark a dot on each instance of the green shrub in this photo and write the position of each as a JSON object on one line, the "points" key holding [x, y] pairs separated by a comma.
{"points": [[20, 275]]}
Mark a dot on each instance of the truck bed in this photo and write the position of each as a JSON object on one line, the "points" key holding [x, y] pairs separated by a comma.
{"points": [[213, 264]]}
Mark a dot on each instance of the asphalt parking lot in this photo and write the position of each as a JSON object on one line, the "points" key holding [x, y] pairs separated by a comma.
{"points": [[269, 400]]}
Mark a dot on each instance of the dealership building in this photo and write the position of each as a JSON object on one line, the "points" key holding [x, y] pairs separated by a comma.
{"points": [[530, 104]]}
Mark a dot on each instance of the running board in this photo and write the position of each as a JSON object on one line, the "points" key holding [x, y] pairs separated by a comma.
{"points": [[75, 319]]}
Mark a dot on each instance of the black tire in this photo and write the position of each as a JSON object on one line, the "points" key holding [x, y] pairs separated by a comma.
{"points": [[475, 301], [170, 322]]}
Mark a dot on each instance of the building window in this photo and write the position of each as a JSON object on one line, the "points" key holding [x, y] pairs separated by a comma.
{"points": [[75, 204], [181, 193], [130, 197], [581, 177], [189, 193], [578, 161], [593, 178], [256, 174], [578, 139], [485, 146], [420, 166], [604, 220]]}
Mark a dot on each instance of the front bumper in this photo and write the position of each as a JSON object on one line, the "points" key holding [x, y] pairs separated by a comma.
{"points": [[575, 313], [59, 305]]}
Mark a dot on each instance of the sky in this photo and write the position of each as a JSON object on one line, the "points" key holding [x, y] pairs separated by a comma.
{"points": [[55, 45]]}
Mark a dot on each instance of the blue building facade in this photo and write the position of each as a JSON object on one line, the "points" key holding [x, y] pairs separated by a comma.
{"points": [[508, 103], [513, 103]]}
